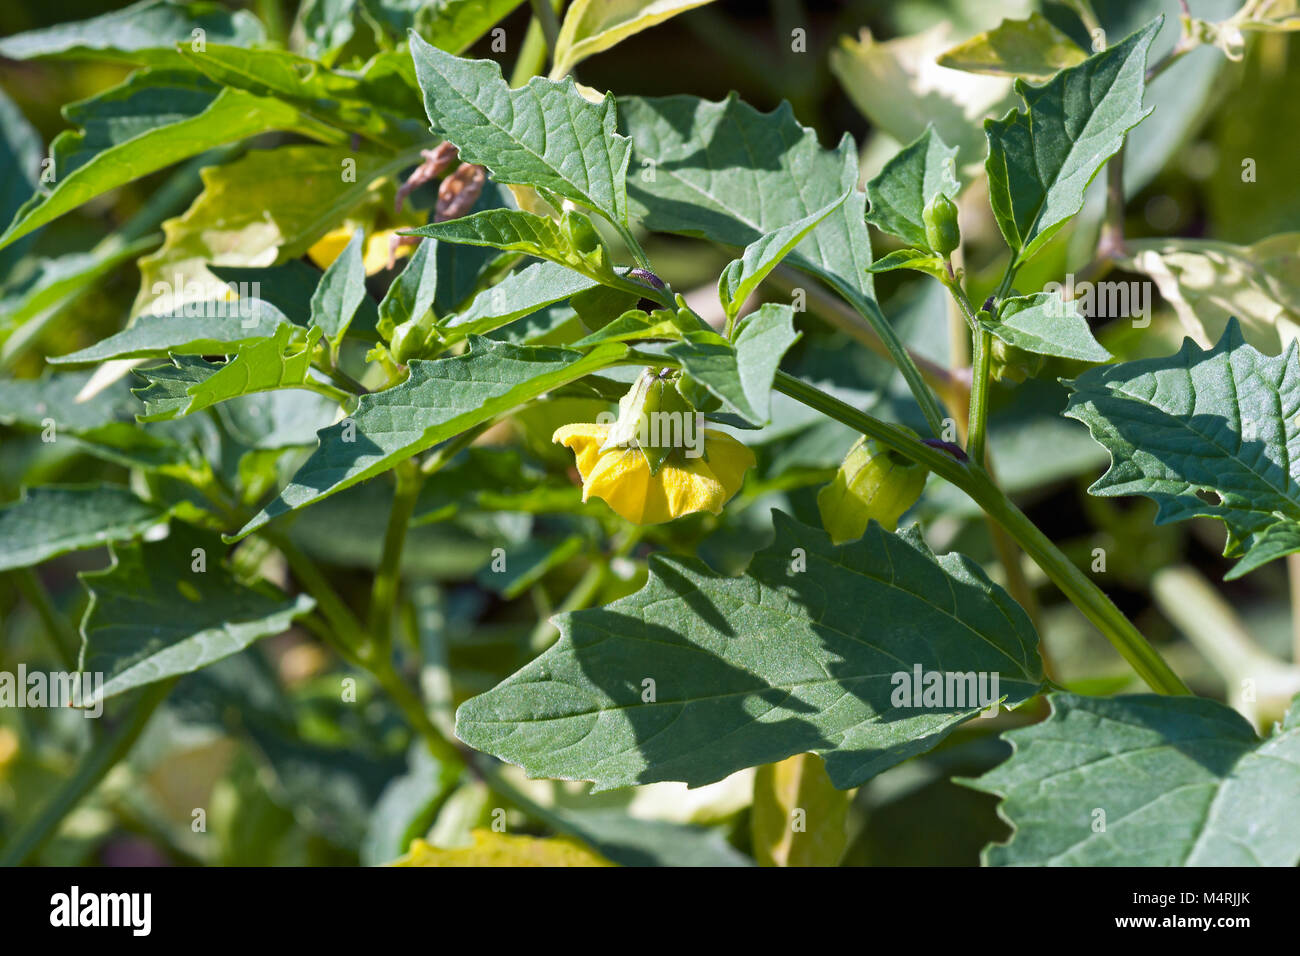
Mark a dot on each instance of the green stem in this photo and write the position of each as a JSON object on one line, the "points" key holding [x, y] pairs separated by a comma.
{"points": [[62, 635], [350, 638], [1085, 595], [977, 429], [902, 360], [413, 711], [532, 55], [383, 593], [544, 16], [93, 768]]}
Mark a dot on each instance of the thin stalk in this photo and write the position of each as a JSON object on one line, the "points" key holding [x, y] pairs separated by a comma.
{"points": [[93, 768], [62, 635], [383, 593], [977, 428], [1085, 595], [544, 16], [413, 711], [532, 55], [350, 638], [445, 453]]}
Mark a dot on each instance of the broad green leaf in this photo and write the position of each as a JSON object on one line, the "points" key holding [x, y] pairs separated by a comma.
{"points": [[266, 207], [1047, 324], [899, 194], [636, 324], [103, 425], [145, 32], [798, 818], [699, 177], [592, 26], [1042, 159], [171, 607], [899, 87], [407, 807], [753, 669], [913, 259], [437, 401], [340, 292], [741, 375], [154, 119], [462, 270], [191, 384], [56, 284], [1204, 433], [742, 276], [1183, 781], [545, 134], [1031, 48], [519, 294], [454, 25], [1208, 282], [214, 328], [513, 230], [47, 522], [369, 103], [503, 849]]}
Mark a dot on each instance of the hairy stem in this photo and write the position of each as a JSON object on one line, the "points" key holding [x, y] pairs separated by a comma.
{"points": [[383, 592], [977, 429]]}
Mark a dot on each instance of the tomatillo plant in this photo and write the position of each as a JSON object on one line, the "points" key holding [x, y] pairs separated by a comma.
{"points": [[426, 387]]}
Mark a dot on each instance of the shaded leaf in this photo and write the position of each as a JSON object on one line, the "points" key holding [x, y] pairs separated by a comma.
{"points": [[214, 329], [753, 669], [519, 294], [152, 615], [592, 26], [340, 293], [53, 520]]}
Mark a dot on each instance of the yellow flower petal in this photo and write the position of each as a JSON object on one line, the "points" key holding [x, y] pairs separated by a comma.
{"points": [[374, 255], [621, 476]]}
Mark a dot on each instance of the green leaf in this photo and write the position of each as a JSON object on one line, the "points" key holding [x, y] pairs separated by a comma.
{"points": [[438, 400], [915, 175], [515, 231], [154, 614], [914, 259], [375, 102], [216, 328], [191, 384], [753, 669], [1032, 48], [744, 275], [545, 134], [268, 206], [47, 522], [1183, 781], [519, 294], [798, 817], [1042, 159], [592, 26], [145, 32], [1047, 324], [455, 25], [340, 293], [1218, 422], [726, 172], [106, 423], [636, 324], [21, 152], [1207, 282], [741, 375], [154, 119]]}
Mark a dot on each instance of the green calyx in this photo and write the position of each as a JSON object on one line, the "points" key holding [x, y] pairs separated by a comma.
{"points": [[655, 418], [872, 482], [941, 229]]}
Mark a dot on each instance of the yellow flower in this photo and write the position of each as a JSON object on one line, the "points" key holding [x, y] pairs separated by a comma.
{"points": [[375, 255], [621, 476]]}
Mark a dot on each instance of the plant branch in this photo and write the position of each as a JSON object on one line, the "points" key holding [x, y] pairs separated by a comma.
{"points": [[383, 592], [1081, 590]]}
